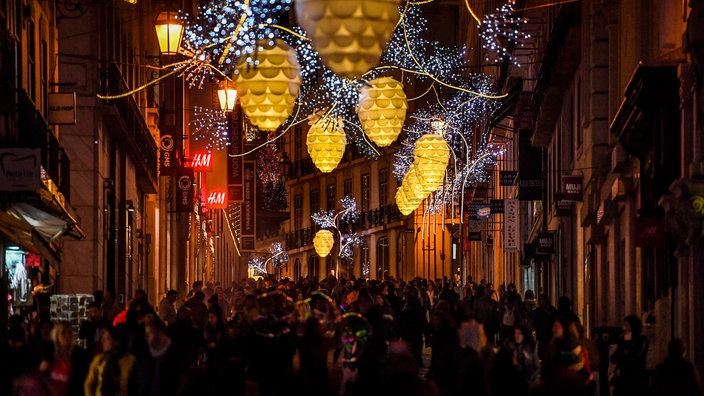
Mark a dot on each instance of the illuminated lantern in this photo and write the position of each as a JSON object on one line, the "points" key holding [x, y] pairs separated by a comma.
{"points": [[323, 241], [268, 90], [349, 35], [404, 205], [431, 156], [382, 110], [169, 31], [326, 142], [412, 187]]}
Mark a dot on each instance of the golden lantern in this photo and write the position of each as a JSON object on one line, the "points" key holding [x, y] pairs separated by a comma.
{"points": [[169, 31], [404, 205], [431, 156], [227, 96], [323, 241], [268, 91], [382, 110], [326, 142], [349, 35], [412, 188]]}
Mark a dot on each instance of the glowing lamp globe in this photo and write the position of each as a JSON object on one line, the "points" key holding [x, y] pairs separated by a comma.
{"points": [[382, 110], [349, 35], [169, 32], [323, 241], [412, 188], [227, 96], [431, 156], [268, 90], [326, 142]]}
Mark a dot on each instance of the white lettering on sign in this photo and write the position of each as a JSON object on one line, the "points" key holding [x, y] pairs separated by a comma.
{"points": [[216, 198], [201, 160]]}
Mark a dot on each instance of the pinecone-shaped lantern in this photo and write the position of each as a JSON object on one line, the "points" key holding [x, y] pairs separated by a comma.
{"points": [[431, 156], [382, 110], [268, 90], [326, 142], [349, 35], [323, 241]]}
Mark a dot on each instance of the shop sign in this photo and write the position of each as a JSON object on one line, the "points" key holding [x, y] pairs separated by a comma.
{"points": [[510, 225], [496, 205], [167, 154], [20, 169], [483, 211], [184, 191], [530, 168], [216, 200], [507, 178], [201, 161], [649, 232], [572, 188], [474, 228], [524, 111], [235, 167], [546, 243], [249, 207], [563, 208], [62, 108]]}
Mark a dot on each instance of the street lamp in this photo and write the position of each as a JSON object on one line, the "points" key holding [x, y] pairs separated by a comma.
{"points": [[169, 31], [285, 166], [227, 95]]}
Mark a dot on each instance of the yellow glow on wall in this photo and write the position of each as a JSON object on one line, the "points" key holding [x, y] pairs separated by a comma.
{"points": [[323, 241], [382, 110], [326, 142], [349, 35], [268, 91]]}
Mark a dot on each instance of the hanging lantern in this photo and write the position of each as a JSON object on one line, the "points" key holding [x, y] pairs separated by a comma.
{"points": [[268, 90], [326, 142], [349, 35], [412, 189], [323, 241], [382, 110], [404, 205], [169, 31], [431, 156]]}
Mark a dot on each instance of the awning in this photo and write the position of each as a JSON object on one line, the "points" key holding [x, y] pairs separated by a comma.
{"points": [[46, 224]]}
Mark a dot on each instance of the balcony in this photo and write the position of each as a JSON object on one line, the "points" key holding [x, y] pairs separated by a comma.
{"points": [[129, 128]]}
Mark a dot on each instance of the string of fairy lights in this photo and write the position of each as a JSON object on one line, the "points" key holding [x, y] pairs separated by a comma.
{"points": [[249, 41]]}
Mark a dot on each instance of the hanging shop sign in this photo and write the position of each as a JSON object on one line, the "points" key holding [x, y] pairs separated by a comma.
{"points": [[20, 169], [511, 225], [563, 207], [235, 163], [249, 207], [523, 119], [201, 162], [496, 206], [474, 228], [62, 108], [184, 190], [530, 168], [483, 211], [167, 154], [572, 188], [650, 232], [507, 178], [546, 243], [216, 199]]}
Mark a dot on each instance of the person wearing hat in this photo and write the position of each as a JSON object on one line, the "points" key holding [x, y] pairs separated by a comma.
{"points": [[167, 311]]}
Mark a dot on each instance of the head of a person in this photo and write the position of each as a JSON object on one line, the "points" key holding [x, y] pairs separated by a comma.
{"points": [[213, 317], [521, 334], [364, 301], [198, 285], [93, 312], [199, 296], [108, 297], [171, 296], [155, 332], [111, 338], [529, 295], [511, 287], [543, 300], [471, 335], [633, 324], [62, 336], [564, 303]]}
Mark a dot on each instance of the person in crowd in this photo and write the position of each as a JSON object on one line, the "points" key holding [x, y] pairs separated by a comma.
{"points": [[474, 358], [167, 311], [30, 384], [565, 365], [629, 358], [527, 308], [213, 335], [232, 360], [413, 325], [525, 354], [66, 368], [564, 308], [91, 329], [16, 356], [159, 370], [444, 344], [676, 375], [224, 302], [199, 311], [509, 317], [543, 319], [186, 336], [111, 372], [505, 377], [141, 296], [485, 311], [399, 374], [109, 307]]}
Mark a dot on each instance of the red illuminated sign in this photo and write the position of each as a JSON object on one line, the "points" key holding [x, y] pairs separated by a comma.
{"points": [[201, 161], [216, 200]]}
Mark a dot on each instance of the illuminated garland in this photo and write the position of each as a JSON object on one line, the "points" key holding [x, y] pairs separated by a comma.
{"points": [[330, 219], [210, 126], [277, 255], [501, 32]]}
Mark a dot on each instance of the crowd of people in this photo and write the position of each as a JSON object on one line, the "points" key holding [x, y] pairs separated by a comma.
{"points": [[482, 341]]}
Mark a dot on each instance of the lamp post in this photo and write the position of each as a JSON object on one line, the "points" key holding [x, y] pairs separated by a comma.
{"points": [[285, 166], [169, 32]]}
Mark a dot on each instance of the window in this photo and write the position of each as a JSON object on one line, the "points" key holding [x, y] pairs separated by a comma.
{"points": [[31, 64], [314, 201], [313, 265], [297, 270], [383, 187], [298, 211], [348, 187], [366, 192], [382, 258], [365, 257], [577, 111], [331, 197]]}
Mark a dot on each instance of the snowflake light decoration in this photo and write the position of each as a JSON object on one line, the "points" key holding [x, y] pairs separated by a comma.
{"points": [[278, 255], [501, 32], [257, 265], [349, 212], [210, 126], [324, 218]]}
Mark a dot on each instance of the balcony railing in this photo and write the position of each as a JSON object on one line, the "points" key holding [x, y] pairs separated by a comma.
{"points": [[370, 219], [137, 139]]}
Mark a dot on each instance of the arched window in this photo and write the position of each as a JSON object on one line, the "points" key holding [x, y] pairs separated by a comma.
{"points": [[297, 270], [313, 265], [365, 259], [382, 258]]}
